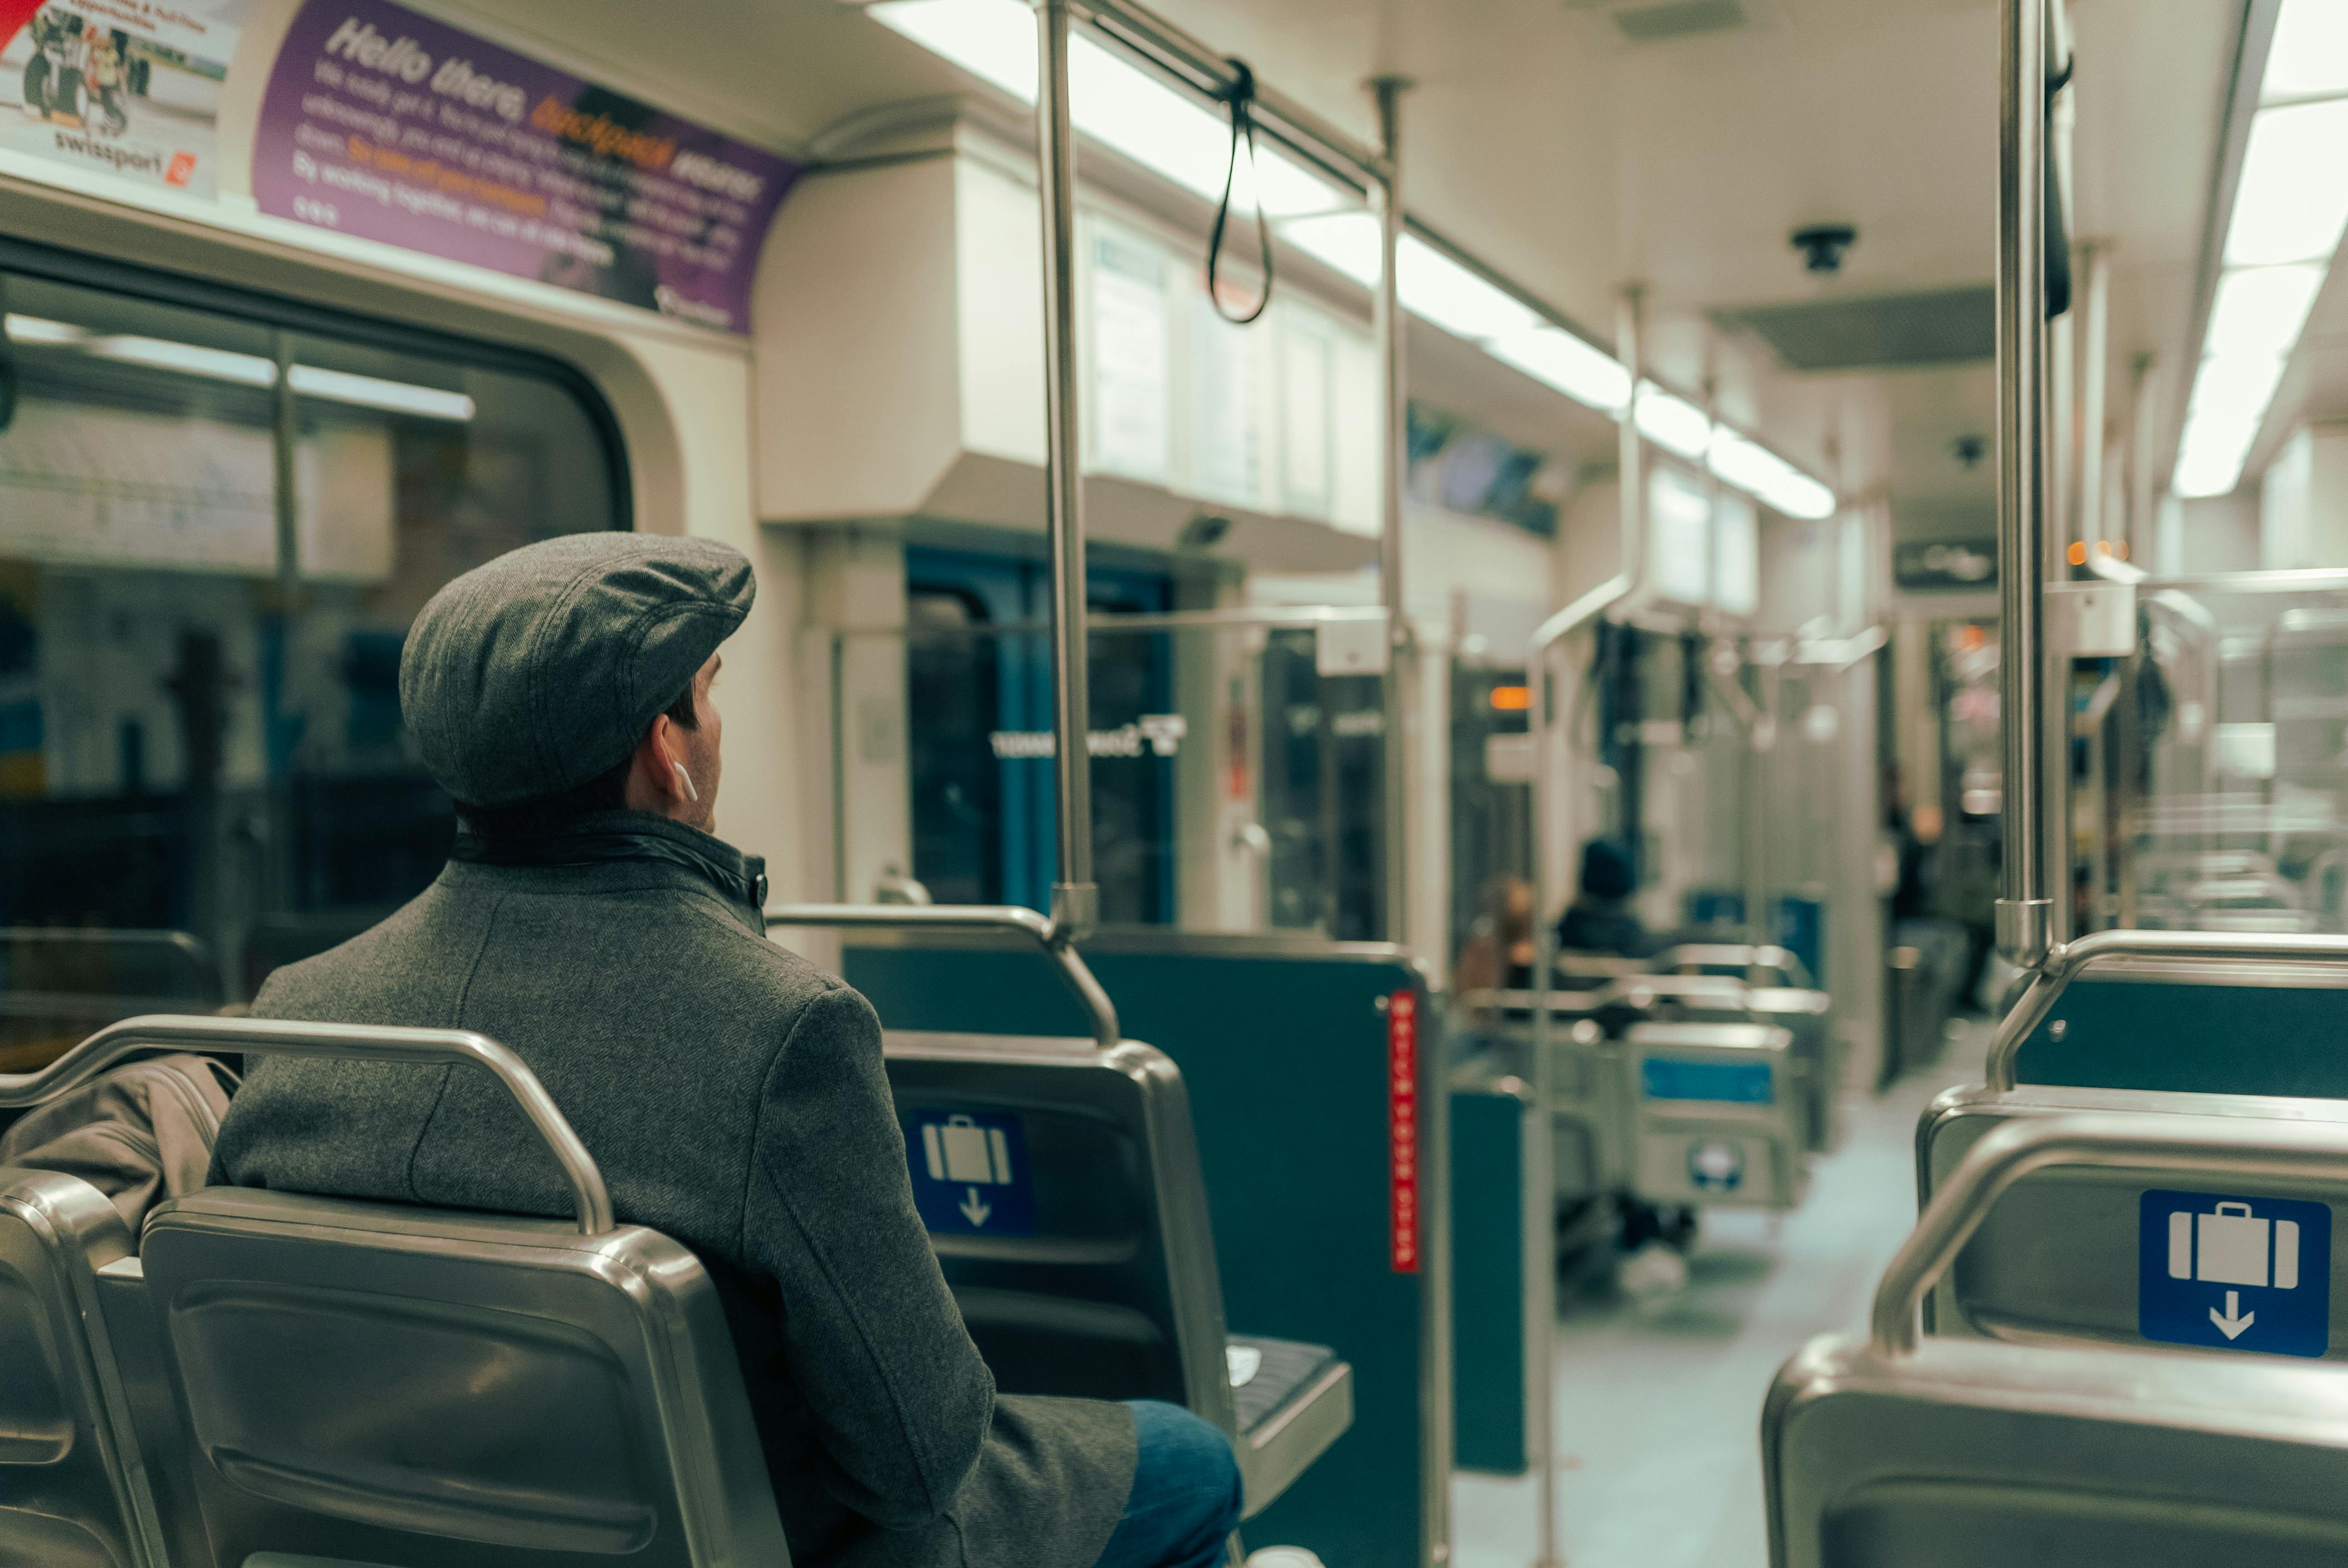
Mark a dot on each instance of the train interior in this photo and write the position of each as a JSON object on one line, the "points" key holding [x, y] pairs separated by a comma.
{"points": [[1589, 756]]}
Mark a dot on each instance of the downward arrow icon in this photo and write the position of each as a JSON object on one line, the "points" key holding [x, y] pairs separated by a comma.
{"points": [[975, 1209], [2235, 1321]]}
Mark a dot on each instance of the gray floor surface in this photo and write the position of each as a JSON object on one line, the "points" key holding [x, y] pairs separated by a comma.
{"points": [[1658, 1407]]}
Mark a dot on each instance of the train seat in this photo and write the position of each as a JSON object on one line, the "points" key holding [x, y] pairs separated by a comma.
{"points": [[1888, 1450], [2059, 1257], [1721, 1113], [319, 1381], [383, 1385], [1718, 998], [1061, 1183], [74, 1492]]}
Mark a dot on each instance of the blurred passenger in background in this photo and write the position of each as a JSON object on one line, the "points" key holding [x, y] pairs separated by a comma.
{"points": [[1500, 955], [1601, 919]]}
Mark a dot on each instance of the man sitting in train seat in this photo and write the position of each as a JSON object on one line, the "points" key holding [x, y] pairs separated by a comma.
{"points": [[733, 1094], [1601, 919]]}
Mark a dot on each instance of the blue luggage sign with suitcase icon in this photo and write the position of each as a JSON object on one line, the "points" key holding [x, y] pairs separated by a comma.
{"points": [[2234, 1272], [970, 1173]]}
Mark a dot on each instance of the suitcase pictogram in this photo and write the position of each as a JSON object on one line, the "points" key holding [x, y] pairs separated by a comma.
{"points": [[2234, 1247], [962, 1151]]}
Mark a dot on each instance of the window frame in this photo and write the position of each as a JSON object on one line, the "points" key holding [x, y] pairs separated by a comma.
{"points": [[81, 268]]}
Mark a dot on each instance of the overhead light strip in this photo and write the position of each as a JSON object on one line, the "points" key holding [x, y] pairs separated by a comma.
{"points": [[1175, 134], [2290, 205]]}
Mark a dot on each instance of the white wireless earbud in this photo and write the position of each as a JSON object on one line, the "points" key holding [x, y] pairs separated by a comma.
{"points": [[685, 778]]}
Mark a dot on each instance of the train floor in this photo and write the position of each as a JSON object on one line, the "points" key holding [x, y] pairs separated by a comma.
{"points": [[1659, 1404]]}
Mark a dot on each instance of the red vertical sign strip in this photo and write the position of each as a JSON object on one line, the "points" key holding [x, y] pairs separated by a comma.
{"points": [[1402, 1129]]}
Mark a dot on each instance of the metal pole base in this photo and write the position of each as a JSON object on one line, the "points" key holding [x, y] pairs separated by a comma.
{"points": [[2025, 930], [1075, 909]]}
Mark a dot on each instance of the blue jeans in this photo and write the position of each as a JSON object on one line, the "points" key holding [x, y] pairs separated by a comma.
{"points": [[1185, 1501]]}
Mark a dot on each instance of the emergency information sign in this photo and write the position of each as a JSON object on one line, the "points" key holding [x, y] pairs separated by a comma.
{"points": [[970, 1173], [2235, 1273]]}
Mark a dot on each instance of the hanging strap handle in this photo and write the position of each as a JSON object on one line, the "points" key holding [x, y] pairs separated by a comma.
{"points": [[1241, 97]]}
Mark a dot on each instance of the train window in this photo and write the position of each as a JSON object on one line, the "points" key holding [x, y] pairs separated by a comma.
{"points": [[216, 522]]}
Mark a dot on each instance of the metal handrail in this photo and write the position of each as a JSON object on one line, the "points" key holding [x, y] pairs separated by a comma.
{"points": [[356, 1043], [2226, 1146], [2065, 963], [1058, 944], [1744, 955]]}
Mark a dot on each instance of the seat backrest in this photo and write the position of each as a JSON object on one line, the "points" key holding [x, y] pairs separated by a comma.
{"points": [[387, 1385], [1722, 1114], [379, 1384], [1888, 1453], [72, 1492], [1061, 1186], [2078, 1255]]}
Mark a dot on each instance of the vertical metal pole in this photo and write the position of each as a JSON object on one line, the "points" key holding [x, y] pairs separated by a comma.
{"points": [[2095, 350], [284, 448], [1386, 327], [1076, 900], [2024, 909], [1760, 758]]}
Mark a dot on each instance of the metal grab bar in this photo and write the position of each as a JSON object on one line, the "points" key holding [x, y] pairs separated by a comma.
{"points": [[1056, 943], [1789, 966], [2208, 1145], [351, 1041], [2066, 962]]}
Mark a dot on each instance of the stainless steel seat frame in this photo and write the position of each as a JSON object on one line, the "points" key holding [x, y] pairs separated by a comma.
{"points": [[1166, 1269], [1887, 1451], [383, 1384]]}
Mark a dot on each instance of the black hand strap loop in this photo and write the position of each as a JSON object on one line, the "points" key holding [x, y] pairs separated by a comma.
{"points": [[1242, 99]]}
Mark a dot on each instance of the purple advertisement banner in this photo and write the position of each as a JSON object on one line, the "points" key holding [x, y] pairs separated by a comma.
{"points": [[385, 124]]}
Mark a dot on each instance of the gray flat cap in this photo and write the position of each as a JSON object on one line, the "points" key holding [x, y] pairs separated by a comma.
{"points": [[534, 673]]}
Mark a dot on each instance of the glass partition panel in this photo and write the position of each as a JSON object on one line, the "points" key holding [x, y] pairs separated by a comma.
{"points": [[1237, 769], [2210, 770]]}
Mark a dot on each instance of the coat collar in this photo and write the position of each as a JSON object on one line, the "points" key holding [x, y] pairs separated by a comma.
{"points": [[606, 837]]}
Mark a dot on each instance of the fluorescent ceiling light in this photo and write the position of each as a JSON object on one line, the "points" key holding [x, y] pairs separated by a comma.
{"points": [[1776, 482], [1556, 358], [2289, 209], [372, 392], [1115, 102], [1349, 242], [189, 359], [1454, 298], [2293, 200], [2209, 459], [1798, 496], [41, 330], [1672, 423], [2310, 55], [2259, 310], [1745, 464], [991, 39]]}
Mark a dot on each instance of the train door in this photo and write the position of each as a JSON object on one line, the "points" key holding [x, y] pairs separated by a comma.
{"points": [[979, 691]]}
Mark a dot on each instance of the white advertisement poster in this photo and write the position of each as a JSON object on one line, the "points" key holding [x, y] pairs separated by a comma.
{"points": [[129, 87]]}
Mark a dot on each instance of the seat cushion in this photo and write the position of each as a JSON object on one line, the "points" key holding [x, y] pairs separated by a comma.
{"points": [[1287, 1370]]}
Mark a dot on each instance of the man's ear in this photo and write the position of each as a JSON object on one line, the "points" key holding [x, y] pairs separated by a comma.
{"points": [[659, 756]]}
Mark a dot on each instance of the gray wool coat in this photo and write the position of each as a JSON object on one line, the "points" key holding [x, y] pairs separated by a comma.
{"points": [[735, 1097]]}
